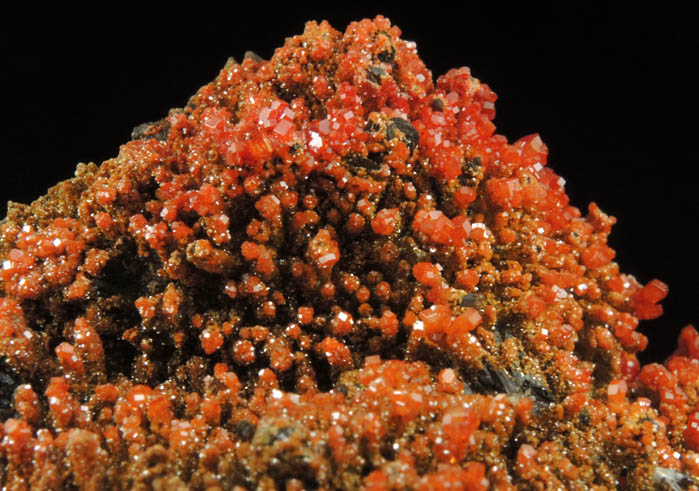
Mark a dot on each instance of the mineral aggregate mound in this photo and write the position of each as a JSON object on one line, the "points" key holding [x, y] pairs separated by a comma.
{"points": [[328, 271]]}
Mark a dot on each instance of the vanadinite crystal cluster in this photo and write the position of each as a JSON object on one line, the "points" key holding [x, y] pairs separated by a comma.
{"points": [[328, 271]]}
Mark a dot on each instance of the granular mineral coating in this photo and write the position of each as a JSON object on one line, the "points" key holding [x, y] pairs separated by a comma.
{"points": [[327, 271]]}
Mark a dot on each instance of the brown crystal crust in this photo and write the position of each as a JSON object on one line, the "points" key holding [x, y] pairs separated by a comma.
{"points": [[328, 271]]}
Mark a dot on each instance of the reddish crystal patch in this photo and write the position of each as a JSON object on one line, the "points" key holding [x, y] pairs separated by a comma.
{"points": [[328, 270]]}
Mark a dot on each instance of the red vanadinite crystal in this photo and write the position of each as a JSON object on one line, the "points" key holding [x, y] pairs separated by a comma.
{"points": [[386, 221], [328, 271]]}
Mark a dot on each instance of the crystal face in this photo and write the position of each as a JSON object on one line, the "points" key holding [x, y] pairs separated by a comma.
{"points": [[328, 270]]}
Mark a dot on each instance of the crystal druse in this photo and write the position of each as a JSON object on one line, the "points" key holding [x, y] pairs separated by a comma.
{"points": [[328, 271]]}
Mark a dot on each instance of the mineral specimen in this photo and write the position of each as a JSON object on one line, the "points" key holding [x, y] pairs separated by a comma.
{"points": [[328, 271]]}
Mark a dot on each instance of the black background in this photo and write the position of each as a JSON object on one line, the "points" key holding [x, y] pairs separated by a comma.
{"points": [[610, 92]]}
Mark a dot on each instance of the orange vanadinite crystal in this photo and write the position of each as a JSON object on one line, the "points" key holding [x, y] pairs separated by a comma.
{"points": [[386, 221], [328, 271]]}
